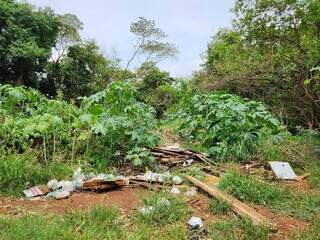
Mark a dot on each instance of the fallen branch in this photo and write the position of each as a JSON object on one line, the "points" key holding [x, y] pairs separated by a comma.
{"points": [[237, 206]]}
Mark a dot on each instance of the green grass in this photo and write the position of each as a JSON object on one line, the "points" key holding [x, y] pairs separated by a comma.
{"points": [[312, 234], [235, 229], [99, 223], [18, 171], [169, 232], [218, 206], [301, 151], [162, 214], [248, 189]]}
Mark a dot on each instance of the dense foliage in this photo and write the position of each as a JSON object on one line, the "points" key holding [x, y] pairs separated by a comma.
{"points": [[156, 88], [229, 126], [26, 41], [271, 53], [104, 128]]}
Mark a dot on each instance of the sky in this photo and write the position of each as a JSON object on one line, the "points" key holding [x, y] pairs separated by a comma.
{"points": [[189, 24]]}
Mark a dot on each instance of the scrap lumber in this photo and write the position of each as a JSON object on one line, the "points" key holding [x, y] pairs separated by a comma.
{"points": [[98, 185], [152, 187], [301, 177], [173, 155], [237, 206]]}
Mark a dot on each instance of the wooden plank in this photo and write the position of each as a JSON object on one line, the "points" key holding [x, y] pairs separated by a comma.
{"points": [[237, 206], [301, 177]]}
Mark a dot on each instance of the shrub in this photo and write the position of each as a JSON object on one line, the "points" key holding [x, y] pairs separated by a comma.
{"points": [[104, 128], [230, 127]]}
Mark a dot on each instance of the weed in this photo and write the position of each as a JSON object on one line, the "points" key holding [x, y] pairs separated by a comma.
{"points": [[248, 189], [312, 234], [162, 212], [282, 200], [17, 171], [237, 229], [218, 206], [301, 151], [169, 232]]}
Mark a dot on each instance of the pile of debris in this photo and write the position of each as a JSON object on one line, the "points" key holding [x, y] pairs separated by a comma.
{"points": [[169, 156], [80, 182], [174, 155]]}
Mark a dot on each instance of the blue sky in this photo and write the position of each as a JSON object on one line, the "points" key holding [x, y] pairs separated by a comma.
{"points": [[188, 23]]}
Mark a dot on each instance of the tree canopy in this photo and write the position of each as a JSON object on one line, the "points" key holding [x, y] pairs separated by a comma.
{"points": [[272, 52]]}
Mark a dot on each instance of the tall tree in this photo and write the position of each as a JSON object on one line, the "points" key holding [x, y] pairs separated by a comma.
{"points": [[148, 37], [68, 35], [273, 53], [26, 40], [83, 71]]}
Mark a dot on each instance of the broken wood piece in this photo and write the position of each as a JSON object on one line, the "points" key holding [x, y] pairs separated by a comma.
{"points": [[101, 184], [252, 165], [301, 177], [237, 206], [212, 171], [153, 187]]}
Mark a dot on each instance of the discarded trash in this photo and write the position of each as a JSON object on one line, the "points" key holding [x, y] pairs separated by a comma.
{"points": [[103, 176], [175, 190], [177, 180], [61, 195], [152, 177], [189, 162], [195, 222], [192, 191], [36, 191], [236, 205], [53, 184], [147, 210], [164, 202], [77, 174], [282, 170], [67, 186]]}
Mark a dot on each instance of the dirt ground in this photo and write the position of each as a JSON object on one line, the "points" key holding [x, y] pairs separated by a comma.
{"points": [[128, 199]]}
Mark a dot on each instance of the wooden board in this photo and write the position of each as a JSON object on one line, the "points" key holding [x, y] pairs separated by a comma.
{"points": [[237, 206]]}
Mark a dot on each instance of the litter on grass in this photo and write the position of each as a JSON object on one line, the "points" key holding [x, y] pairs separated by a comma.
{"points": [[195, 222], [36, 191], [283, 170]]}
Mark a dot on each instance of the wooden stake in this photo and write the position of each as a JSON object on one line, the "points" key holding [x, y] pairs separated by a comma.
{"points": [[237, 206]]}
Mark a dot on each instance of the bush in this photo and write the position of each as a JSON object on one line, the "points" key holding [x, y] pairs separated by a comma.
{"points": [[105, 127], [230, 127]]}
